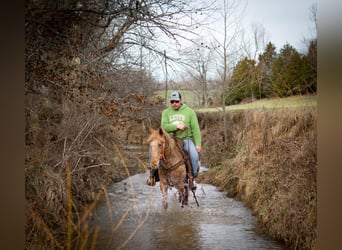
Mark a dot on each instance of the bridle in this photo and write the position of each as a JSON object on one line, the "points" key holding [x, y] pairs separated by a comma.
{"points": [[162, 161]]}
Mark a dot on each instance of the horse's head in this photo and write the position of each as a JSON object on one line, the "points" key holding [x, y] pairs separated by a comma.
{"points": [[157, 142]]}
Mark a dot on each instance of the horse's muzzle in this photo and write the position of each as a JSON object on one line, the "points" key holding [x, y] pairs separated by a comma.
{"points": [[154, 166]]}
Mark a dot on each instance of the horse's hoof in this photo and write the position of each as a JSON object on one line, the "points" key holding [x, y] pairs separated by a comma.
{"points": [[165, 205]]}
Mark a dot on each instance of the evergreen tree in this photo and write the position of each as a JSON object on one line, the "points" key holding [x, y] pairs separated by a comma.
{"points": [[312, 67], [289, 72], [264, 71], [242, 83]]}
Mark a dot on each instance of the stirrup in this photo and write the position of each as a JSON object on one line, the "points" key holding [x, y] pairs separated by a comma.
{"points": [[191, 183], [194, 185]]}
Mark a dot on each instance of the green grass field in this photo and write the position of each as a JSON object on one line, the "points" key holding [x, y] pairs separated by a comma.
{"points": [[294, 101], [188, 96], [288, 102]]}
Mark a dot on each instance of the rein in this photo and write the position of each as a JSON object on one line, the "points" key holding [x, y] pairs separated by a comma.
{"points": [[170, 168]]}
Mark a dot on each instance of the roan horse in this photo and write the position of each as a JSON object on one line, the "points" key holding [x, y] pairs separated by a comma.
{"points": [[168, 159]]}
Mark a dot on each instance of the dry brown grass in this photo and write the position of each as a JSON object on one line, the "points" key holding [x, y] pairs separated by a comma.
{"points": [[273, 170], [57, 218], [68, 164]]}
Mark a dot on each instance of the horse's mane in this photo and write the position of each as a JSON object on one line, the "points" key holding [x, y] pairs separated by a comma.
{"points": [[169, 142]]}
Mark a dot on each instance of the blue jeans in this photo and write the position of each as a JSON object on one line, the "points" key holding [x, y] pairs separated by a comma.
{"points": [[188, 145]]}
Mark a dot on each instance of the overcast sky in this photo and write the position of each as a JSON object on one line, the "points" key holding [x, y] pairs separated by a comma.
{"points": [[284, 20]]}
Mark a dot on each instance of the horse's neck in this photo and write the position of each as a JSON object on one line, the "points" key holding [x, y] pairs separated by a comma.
{"points": [[173, 154]]}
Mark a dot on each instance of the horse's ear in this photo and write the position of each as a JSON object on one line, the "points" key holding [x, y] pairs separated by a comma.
{"points": [[161, 132], [150, 130]]}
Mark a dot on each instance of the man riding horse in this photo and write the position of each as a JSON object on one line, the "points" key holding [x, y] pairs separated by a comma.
{"points": [[181, 121]]}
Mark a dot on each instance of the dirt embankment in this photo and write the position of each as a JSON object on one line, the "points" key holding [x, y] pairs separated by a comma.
{"points": [[270, 163]]}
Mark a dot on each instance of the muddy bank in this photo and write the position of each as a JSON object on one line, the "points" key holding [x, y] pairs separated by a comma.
{"points": [[270, 164]]}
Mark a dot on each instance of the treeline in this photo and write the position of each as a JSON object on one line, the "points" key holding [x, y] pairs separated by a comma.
{"points": [[280, 74]]}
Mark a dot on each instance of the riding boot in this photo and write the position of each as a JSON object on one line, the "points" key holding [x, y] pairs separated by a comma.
{"points": [[156, 175], [151, 181], [153, 178], [192, 183]]}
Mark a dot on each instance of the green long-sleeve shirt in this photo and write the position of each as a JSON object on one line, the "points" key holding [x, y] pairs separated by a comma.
{"points": [[170, 119]]}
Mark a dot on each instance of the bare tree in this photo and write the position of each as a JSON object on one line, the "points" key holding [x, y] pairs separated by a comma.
{"points": [[155, 18], [253, 45], [227, 49], [149, 28], [314, 17], [198, 62]]}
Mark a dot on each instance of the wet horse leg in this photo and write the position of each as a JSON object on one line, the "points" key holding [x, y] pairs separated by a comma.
{"points": [[186, 194], [180, 188], [163, 189]]}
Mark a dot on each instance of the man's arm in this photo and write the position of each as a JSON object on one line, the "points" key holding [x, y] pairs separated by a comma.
{"points": [[165, 123], [196, 130]]}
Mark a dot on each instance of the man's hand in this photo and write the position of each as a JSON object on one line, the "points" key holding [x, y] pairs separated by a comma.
{"points": [[199, 149], [181, 126]]}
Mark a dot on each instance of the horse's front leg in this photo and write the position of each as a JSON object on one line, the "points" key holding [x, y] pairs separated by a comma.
{"points": [[163, 189], [180, 188], [186, 194]]}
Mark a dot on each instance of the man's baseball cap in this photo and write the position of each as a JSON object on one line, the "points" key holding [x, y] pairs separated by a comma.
{"points": [[175, 96]]}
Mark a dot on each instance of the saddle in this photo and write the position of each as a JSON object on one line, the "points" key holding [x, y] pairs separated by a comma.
{"points": [[185, 154]]}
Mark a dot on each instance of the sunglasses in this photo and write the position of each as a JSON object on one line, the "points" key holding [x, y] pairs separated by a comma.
{"points": [[172, 102]]}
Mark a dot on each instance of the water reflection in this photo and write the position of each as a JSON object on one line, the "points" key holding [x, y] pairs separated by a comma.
{"points": [[134, 219]]}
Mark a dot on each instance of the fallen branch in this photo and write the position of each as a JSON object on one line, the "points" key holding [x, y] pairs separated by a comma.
{"points": [[92, 166]]}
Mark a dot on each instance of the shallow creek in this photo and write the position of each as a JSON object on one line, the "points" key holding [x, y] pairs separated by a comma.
{"points": [[133, 218]]}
